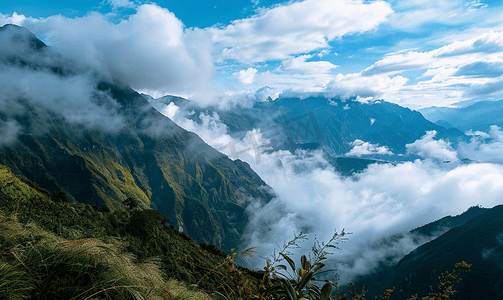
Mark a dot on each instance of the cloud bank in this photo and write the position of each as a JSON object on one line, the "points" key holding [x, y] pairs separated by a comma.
{"points": [[379, 206], [151, 50]]}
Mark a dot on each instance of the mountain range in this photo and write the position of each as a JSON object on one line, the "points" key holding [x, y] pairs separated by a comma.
{"points": [[479, 116], [318, 122]]}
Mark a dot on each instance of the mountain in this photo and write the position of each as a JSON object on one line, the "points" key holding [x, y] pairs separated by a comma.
{"points": [[318, 122], [100, 141], [478, 241], [477, 117], [53, 249]]}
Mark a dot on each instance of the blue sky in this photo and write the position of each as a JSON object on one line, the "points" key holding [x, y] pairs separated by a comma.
{"points": [[416, 53]]}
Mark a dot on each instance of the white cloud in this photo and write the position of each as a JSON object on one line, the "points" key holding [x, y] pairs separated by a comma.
{"points": [[300, 65], [246, 76], [116, 4], [427, 147], [378, 203], [365, 148], [295, 28], [150, 50], [484, 147], [211, 129], [412, 14]]}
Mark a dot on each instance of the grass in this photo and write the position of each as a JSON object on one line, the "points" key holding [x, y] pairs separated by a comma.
{"points": [[36, 264], [62, 250]]}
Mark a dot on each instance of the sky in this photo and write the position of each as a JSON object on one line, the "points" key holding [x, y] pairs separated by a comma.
{"points": [[414, 53]]}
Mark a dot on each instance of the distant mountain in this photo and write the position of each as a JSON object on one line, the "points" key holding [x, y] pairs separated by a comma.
{"points": [[115, 146], [318, 122], [477, 240], [479, 116]]}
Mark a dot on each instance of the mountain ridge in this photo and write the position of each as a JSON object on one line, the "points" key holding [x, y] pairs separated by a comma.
{"points": [[133, 151]]}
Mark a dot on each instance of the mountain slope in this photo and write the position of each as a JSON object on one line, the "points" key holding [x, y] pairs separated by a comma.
{"points": [[113, 145], [477, 242]]}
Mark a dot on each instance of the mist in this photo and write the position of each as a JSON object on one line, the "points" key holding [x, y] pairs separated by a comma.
{"points": [[378, 206]]}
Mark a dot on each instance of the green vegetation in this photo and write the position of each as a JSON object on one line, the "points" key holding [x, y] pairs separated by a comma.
{"points": [[53, 249], [49, 246]]}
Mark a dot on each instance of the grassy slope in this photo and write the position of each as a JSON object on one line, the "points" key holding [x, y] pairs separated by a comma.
{"points": [[76, 238]]}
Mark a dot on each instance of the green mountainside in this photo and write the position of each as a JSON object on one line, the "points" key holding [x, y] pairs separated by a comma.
{"points": [[146, 156], [53, 249], [477, 241]]}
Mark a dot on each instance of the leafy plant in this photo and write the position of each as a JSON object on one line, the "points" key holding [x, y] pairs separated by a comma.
{"points": [[299, 282]]}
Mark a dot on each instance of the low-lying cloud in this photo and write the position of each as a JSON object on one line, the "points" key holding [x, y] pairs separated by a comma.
{"points": [[379, 206], [47, 96], [361, 148]]}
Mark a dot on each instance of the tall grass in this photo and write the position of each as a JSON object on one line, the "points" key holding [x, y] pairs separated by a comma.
{"points": [[37, 265]]}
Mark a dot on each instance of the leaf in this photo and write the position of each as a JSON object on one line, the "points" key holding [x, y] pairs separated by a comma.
{"points": [[318, 267], [290, 261], [289, 289], [326, 290], [303, 261], [283, 267], [305, 279]]}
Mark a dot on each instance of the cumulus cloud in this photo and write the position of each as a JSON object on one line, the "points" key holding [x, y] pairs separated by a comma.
{"points": [[150, 50], [427, 147], [246, 76], [365, 148], [296, 27], [299, 64]]}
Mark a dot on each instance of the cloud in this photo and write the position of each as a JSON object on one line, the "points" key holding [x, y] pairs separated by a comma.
{"points": [[378, 86], [72, 98], [481, 68], [379, 206], [150, 50], [383, 201], [117, 4], [427, 147], [299, 64], [414, 14], [483, 147], [365, 148], [246, 76], [9, 131], [296, 27], [210, 129]]}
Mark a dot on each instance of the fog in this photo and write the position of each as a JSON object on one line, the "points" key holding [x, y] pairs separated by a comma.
{"points": [[379, 206]]}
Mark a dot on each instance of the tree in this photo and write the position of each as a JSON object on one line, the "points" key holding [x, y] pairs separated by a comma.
{"points": [[130, 202]]}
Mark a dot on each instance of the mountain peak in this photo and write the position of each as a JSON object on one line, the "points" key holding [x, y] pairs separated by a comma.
{"points": [[19, 38]]}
